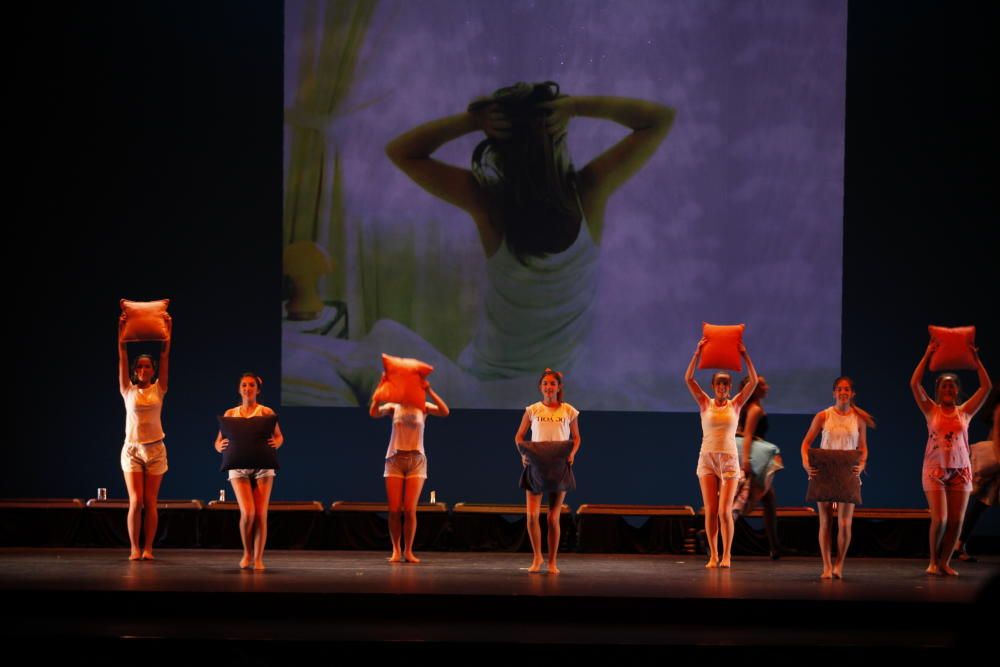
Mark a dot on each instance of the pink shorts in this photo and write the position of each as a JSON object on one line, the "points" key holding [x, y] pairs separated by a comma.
{"points": [[721, 464], [947, 479]]}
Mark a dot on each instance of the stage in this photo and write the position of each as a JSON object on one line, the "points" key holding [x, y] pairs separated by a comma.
{"points": [[630, 603]]}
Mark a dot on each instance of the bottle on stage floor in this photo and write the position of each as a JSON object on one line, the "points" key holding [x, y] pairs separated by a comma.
{"points": [[222, 495]]}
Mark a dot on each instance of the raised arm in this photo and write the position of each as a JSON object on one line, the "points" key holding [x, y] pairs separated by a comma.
{"points": [[747, 391], [438, 408], [124, 377], [814, 429], [650, 122], [700, 397], [163, 373], [916, 381], [972, 405]]}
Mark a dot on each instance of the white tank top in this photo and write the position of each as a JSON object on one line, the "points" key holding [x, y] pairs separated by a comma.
{"points": [[840, 431], [407, 428], [142, 414], [718, 426]]}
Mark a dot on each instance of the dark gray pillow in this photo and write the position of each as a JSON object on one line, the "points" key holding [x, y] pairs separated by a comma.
{"points": [[547, 469], [248, 446], [835, 482]]}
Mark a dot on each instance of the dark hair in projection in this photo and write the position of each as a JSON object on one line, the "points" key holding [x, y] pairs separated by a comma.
{"points": [[528, 176]]}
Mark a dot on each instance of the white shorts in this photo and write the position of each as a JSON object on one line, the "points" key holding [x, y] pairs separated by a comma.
{"points": [[251, 473], [150, 458], [721, 464]]}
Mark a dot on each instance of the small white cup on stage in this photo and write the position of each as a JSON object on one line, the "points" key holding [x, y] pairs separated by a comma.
{"points": [[102, 493]]}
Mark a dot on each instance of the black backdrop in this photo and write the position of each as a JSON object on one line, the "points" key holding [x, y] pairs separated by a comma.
{"points": [[148, 147]]}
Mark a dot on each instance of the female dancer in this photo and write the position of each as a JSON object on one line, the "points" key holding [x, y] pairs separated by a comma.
{"points": [[539, 220], [144, 456], [753, 424], [947, 470], [406, 468], [551, 420], [844, 427], [985, 487], [252, 486], [719, 461]]}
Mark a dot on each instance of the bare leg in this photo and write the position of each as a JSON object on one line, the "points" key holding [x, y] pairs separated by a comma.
{"points": [[710, 498], [845, 518], [411, 496], [825, 519], [957, 502], [938, 504], [151, 489], [555, 508], [135, 486], [244, 497], [727, 492], [394, 494], [533, 502], [261, 501]]}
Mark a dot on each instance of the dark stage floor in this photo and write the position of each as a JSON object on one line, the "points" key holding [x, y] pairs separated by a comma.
{"points": [[97, 595]]}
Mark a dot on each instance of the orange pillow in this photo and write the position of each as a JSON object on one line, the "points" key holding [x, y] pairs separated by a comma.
{"points": [[402, 382], [954, 352], [145, 320], [723, 347]]}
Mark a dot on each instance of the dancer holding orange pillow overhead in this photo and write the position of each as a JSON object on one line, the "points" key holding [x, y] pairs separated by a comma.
{"points": [[947, 469], [406, 467], [144, 456], [719, 461]]}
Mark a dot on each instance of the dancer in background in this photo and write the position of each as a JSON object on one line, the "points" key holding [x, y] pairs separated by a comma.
{"points": [[555, 423], [406, 468], [844, 427], [947, 469], [985, 482], [252, 486], [753, 425], [719, 460], [143, 456]]}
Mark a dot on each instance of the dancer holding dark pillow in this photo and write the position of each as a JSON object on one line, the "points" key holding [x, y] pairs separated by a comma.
{"points": [[252, 486], [844, 428]]}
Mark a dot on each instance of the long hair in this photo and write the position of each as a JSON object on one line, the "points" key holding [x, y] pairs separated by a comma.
{"points": [[741, 421], [528, 176], [864, 415]]}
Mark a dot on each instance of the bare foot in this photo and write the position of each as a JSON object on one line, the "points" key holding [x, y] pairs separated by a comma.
{"points": [[258, 566], [932, 569], [827, 574], [949, 570], [552, 568], [147, 554], [712, 563], [411, 558], [245, 561], [396, 557], [135, 555], [726, 562], [838, 571], [536, 566]]}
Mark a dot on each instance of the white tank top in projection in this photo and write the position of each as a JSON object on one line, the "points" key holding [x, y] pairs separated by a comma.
{"points": [[534, 315], [840, 431]]}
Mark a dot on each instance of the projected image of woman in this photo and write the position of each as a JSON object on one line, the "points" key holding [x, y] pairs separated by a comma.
{"points": [[947, 469], [252, 486], [539, 220], [719, 460], [406, 468], [844, 427], [143, 456]]}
